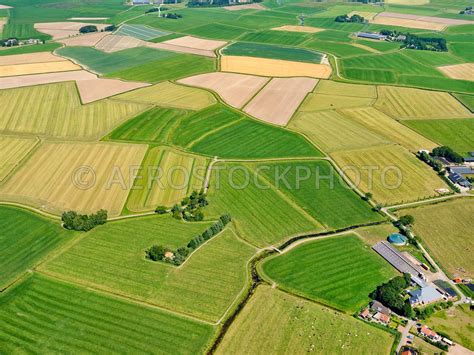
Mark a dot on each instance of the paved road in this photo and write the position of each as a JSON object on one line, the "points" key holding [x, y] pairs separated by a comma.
{"points": [[405, 332]]}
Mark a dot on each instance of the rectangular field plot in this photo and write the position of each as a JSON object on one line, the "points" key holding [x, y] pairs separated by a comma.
{"points": [[142, 32], [75, 320], [195, 288], [37, 68], [446, 229], [301, 326], [165, 178], [329, 87], [390, 172], [351, 271], [12, 151], [76, 176], [321, 102]]}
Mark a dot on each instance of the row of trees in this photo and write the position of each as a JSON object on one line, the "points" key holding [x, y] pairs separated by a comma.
{"points": [[390, 294], [435, 164], [83, 222], [354, 18], [448, 153]]}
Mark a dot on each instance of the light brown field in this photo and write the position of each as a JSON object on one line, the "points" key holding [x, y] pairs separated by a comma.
{"points": [[59, 30], [37, 68], [441, 20], [424, 25], [179, 49], [459, 71], [304, 29], [97, 89], [12, 151], [86, 40], [77, 176], [47, 78], [273, 67], [115, 43], [29, 58], [365, 14], [235, 89], [253, 6], [197, 43], [279, 99]]}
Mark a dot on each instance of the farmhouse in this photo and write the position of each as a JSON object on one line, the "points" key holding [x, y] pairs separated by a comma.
{"points": [[424, 295], [427, 332], [382, 318], [460, 180], [380, 308], [371, 35]]}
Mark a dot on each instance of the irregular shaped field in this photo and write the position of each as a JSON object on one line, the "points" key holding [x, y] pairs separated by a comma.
{"points": [[279, 99], [329, 87], [409, 23], [37, 68], [322, 102], [196, 288], [351, 271], [234, 89], [305, 29], [47, 78], [190, 44], [86, 40], [274, 322], [76, 176], [12, 151], [273, 67], [29, 58], [95, 322], [459, 71], [64, 29], [97, 89], [390, 172], [115, 43], [142, 32], [452, 247]]}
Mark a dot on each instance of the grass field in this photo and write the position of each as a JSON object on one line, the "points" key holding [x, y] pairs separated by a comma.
{"points": [[450, 246], [390, 172], [55, 110], [467, 100], [12, 151], [456, 133], [26, 238], [217, 31], [45, 315], [165, 178], [196, 288], [329, 87], [351, 271], [47, 47], [80, 176], [272, 52], [335, 48], [274, 322], [276, 37]]}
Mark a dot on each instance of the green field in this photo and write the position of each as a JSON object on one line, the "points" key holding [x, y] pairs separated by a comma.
{"points": [[49, 316], [47, 47], [217, 31], [26, 238], [336, 48], [274, 322], [467, 100], [338, 271], [276, 37], [141, 32]]}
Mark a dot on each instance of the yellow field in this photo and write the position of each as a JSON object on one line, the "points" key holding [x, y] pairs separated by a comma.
{"points": [[170, 95], [304, 29], [409, 23], [37, 68], [390, 172], [273, 67], [459, 71], [332, 132], [177, 176], [387, 127], [56, 110], [407, 103], [80, 176], [12, 151], [320, 102], [329, 87]]}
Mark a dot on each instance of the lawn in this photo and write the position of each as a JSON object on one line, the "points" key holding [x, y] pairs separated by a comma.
{"points": [[196, 288], [338, 271], [26, 238], [49, 316], [12, 151], [273, 322], [450, 246]]}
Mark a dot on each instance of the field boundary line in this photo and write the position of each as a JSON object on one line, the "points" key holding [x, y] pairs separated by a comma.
{"points": [[207, 134], [31, 209]]}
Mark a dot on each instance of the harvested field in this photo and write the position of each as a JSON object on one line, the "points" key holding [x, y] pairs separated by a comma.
{"points": [[2, 7], [37, 68], [3, 22], [234, 89], [179, 49], [59, 30], [304, 29], [86, 40], [47, 78], [279, 99], [189, 44], [440, 20], [12, 151], [254, 6], [29, 58], [115, 43], [76, 176], [407, 103], [391, 173], [329, 87], [273, 67], [142, 32], [400, 22], [459, 71], [97, 89]]}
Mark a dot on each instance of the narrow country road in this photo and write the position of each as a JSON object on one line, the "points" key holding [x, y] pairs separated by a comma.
{"points": [[405, 332]]}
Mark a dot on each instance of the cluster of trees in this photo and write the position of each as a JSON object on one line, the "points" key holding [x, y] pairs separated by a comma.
{"points": [[406, 220], [447, 153], [436, 165], [190, 208], [467, 11], [426, 312], [83, 222], [110, 28], [390, 295], [178, 256], [412, 41], [88, 29], [173, 16], [354, 18]]}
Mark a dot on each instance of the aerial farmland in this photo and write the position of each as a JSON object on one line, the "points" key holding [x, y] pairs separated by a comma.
{"points": [[228, 177]]}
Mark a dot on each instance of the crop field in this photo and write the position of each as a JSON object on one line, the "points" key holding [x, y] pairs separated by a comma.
{"points": [[329, 87], [433, 224], [98, 88], [467, 100], [74, 320], [47, 47], [351, 271], [87, 40], [116, 43], [140, 31], [304, 29], [37, 68], [165, 178], [217, 31], [390, 172], [29, 58], [26, 238], [12, 151], [336, 48], [459, 71], [276, 37], [405, 103], [321, 102], [273, 322], [79, 176], [196, 288], [55, 110]]}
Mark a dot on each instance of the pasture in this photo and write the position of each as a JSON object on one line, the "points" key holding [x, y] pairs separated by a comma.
{"points": [[350, 270], [13, 150], [274, 322], [74, 319], [451, 247], [196, 288], [390, 172], [84, 177], [26, 239]]}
